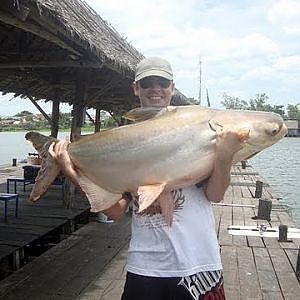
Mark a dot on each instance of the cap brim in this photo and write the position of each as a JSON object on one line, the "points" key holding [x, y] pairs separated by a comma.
{"points": [[159, 73]]}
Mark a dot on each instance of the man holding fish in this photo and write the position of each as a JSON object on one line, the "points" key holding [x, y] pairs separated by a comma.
{"points": [[179, 260]]}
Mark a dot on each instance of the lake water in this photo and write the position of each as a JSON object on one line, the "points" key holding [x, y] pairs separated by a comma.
{"points": [[279, 164]]}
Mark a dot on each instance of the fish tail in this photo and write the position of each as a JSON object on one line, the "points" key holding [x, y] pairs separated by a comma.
{"points": [[49, 169]]}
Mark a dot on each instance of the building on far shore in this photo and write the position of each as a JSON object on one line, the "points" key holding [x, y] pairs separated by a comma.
{"points": [[293, 128]]}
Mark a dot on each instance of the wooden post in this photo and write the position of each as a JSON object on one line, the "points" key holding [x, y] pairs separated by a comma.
{"points": [[97, 120], [258, 189], [283, 230], [298, 266], [77, 121], [55, 117], [244, 163], [264, 209]]}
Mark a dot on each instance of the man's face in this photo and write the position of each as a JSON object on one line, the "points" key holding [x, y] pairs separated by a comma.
{"points": [[154, 91]]}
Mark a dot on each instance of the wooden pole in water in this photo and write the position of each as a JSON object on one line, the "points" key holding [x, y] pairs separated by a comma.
{"points": [[258, 190], [283, 230], [264, 209], [243, 164]]}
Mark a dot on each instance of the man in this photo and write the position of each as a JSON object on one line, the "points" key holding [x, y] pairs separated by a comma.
{"points": [[182, 261]]}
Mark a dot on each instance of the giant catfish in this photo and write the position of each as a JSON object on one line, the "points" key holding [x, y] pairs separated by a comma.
{"points": [[168, 148]]}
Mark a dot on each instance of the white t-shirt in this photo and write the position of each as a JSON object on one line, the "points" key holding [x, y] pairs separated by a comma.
{"points": [[189, 246]]}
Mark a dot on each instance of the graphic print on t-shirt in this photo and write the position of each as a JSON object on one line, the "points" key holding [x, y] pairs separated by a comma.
{"points": [[155, 209]]}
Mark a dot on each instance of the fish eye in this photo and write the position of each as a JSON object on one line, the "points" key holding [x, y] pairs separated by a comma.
{"points": [[273, 130]]}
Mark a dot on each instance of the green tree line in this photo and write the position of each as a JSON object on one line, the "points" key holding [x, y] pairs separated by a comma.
{"points": [[30, 122], [260, 102]]}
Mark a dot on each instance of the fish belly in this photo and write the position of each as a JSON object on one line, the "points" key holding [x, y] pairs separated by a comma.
{"points": [[124, 164]]}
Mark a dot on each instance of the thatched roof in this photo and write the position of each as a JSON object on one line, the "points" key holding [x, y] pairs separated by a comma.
{"points": [[51, 48]]}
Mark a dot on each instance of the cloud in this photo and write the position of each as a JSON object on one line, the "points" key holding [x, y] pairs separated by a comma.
{"points": [[288, 63], [286, 14]]}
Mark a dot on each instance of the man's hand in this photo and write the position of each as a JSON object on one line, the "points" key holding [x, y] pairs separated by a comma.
{"points": [[60, 155], [229, 142]]}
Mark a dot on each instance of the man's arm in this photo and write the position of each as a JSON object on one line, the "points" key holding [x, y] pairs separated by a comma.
{"points": [[118, 210], [227, 144]]}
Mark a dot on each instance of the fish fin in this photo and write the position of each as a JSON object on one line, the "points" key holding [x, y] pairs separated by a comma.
{"points": [[148, 194], [46, 175], [146, 113], [243, 134], [99, 198], [40, 142], [49, 169], [166, 203]]}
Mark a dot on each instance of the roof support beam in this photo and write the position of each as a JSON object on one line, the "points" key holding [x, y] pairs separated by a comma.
{"points": [[41, 110], [36, 30], [50, 64]]}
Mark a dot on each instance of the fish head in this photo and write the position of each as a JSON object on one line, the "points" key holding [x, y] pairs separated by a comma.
{"points": [[264, 129]]}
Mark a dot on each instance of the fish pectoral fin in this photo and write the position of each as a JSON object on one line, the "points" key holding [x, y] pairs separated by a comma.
{"points": [[146, 113], [148, 194], [99, 198], [166, 203], [243, 134]]}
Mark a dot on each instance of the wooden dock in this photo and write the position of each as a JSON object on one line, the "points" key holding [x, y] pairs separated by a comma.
{"points": [[38, 225], [255, 267], [90, 264]]}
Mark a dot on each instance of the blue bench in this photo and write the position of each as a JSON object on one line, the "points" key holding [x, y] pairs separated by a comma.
{"points": [[7, 197]]}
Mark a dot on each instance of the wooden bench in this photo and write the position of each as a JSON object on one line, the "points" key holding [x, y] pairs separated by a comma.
{"points": [[7, 197]]}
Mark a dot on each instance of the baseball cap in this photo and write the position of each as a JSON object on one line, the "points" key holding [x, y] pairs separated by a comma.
{"points": [[153, 66]]}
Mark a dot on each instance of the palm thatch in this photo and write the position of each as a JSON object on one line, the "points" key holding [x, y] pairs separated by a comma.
{"points": [[52, 49]]}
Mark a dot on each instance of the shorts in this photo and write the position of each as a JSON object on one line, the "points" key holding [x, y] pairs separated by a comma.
{"points": [[201, 286]]}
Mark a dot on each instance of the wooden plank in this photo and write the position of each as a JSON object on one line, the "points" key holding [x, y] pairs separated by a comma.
{"points": [[67, 268], [292, 255], [242, 173], [34, 221], [253, 241], [226, 220], [266, 274], [245, 192], [246, 183], [238, 218], [248, 278], [230, 269], [284, 271]]}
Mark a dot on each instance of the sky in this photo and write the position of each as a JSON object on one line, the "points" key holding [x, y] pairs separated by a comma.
{"points": [[246, 47]]}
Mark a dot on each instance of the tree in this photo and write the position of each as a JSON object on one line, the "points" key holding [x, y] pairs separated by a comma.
{"points": [[65, 120], [233, 102], [24, 113], [293, 111], [260, 103]]}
